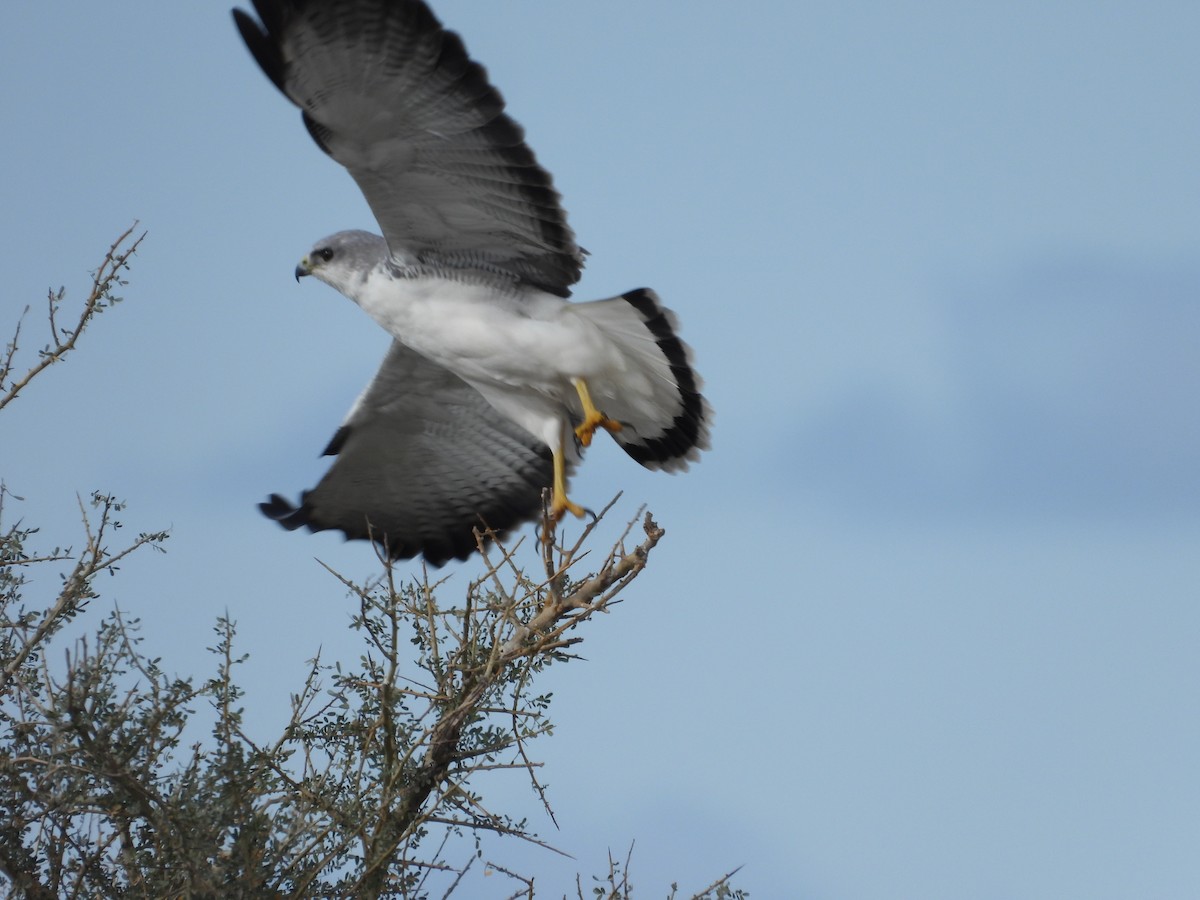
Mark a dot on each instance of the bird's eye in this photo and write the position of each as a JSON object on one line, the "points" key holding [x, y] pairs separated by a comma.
{"points": [[326, 254]]}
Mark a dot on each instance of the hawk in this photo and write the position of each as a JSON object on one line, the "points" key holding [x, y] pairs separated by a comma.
{"points": [[494, 381]]}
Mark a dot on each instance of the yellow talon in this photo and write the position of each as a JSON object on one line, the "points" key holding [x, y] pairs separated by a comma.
{"points": [[592, 419], [559, 504]]}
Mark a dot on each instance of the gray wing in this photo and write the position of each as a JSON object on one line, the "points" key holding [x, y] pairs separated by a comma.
{"points": [[422, 459], [393, 97]]}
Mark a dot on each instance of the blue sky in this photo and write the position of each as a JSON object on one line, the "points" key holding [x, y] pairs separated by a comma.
{"points": [[925, 622]]}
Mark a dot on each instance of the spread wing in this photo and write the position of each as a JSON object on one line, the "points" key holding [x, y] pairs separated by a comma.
{"points": [[422, 459], [393, 97]]}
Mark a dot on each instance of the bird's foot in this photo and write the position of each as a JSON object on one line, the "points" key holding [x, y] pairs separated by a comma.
{"points": [[560, 506], [595, 419], [592, 417]]}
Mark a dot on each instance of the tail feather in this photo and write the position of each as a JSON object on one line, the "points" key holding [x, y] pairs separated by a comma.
{"points": [[657, 398]]}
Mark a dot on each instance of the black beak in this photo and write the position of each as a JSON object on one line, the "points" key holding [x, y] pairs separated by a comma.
{"points": [[302, 270]]}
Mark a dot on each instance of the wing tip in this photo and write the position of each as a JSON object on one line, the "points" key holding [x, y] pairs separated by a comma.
{"points": [[259, 38], [279, 509]]}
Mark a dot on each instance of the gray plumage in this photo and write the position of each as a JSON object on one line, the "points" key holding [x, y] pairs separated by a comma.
{"points": [[494, 379]]}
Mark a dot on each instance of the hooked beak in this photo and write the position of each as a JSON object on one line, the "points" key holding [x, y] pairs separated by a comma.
{"points": [[302, 269]]}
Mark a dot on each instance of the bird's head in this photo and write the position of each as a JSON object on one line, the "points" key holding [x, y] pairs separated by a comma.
{"points": [[343, 260]]}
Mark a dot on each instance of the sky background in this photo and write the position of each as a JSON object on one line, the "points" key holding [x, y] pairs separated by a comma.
{"points": [[925, 621]]}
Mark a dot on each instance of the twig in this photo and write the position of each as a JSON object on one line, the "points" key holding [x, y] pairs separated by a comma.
{"points": [[63, 340], [724, 879]]}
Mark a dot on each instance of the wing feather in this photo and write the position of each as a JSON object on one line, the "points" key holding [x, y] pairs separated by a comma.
{"points": [[395, 98], [422, 460]]}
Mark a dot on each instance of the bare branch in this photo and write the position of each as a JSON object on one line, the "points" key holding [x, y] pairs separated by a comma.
{"points": [[105, 280]]}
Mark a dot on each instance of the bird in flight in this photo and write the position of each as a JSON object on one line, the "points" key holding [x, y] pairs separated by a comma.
{"points": [[494, 381]]}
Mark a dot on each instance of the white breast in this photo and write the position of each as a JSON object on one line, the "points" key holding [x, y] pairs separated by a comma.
{"points": [[489, 333]]}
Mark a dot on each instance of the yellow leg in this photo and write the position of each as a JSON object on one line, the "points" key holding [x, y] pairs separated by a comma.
{"points": [[592, 417], [559, 504]]}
